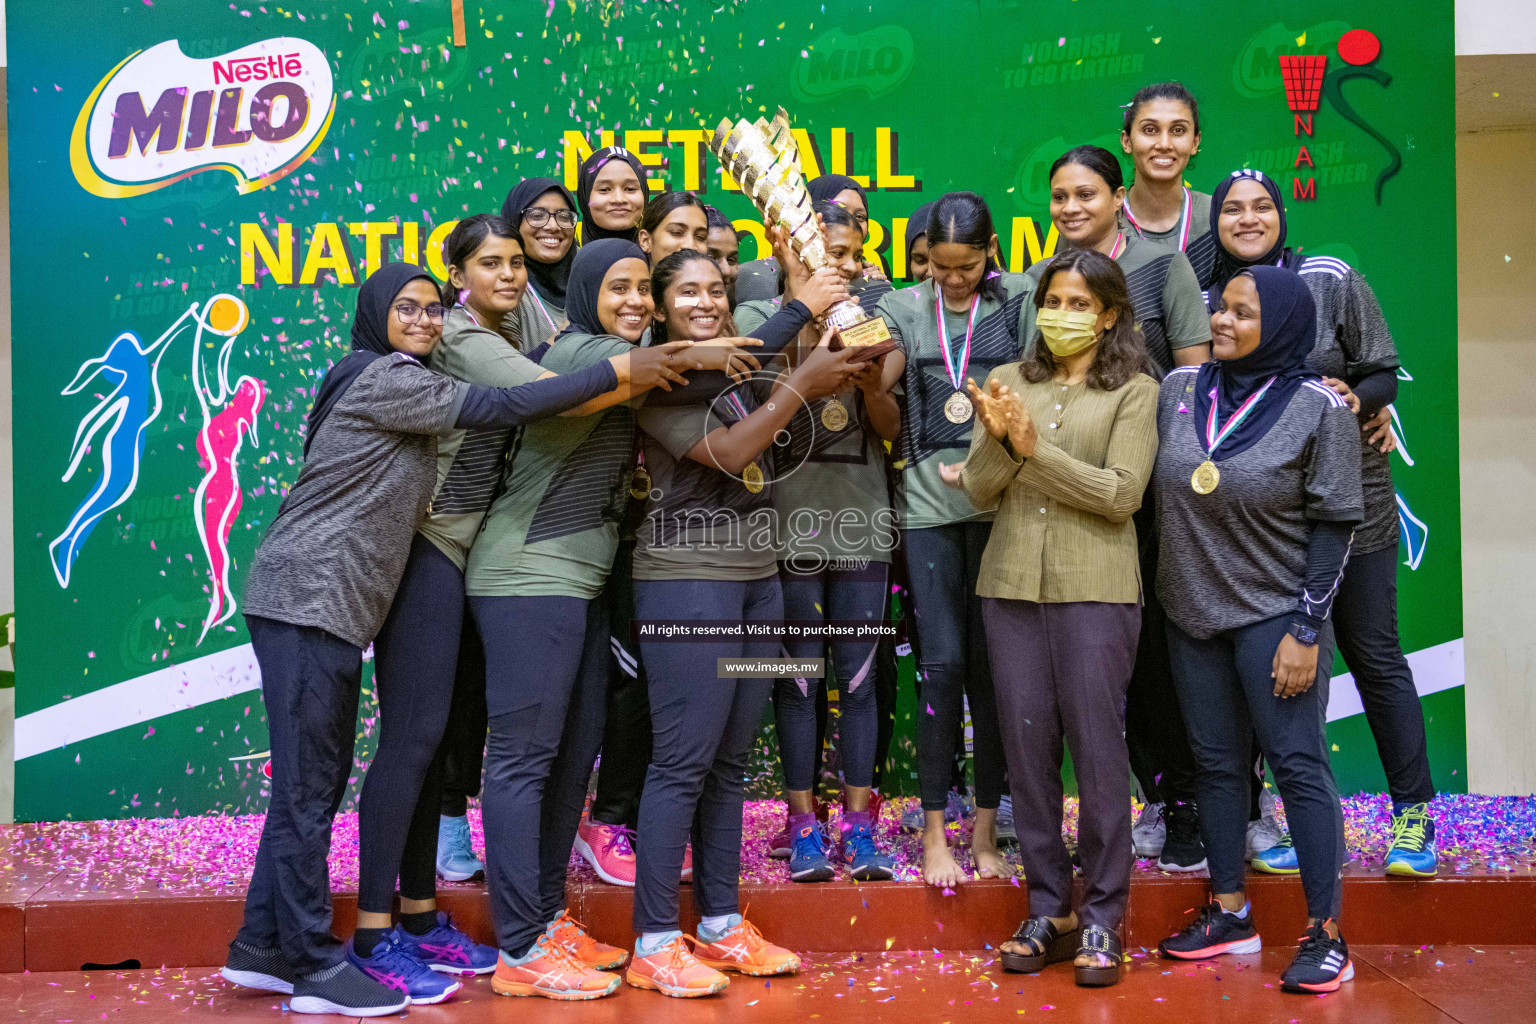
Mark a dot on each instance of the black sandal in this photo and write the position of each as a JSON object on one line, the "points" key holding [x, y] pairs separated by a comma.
{"points": [[1050, 946], [1100, 941]]}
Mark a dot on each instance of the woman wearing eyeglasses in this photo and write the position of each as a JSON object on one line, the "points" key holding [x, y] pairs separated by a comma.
{"points": [[319, 589], [543, 213]]}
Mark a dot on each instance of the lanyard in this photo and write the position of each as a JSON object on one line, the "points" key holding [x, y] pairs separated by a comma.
{"points": [[1184, 219], [957, 378], [1214, 437], [540, 303], [1119, 245]]}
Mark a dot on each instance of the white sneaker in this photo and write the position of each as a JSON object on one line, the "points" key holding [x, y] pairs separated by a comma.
{"points": [[1265, 833], [1149, 832]]}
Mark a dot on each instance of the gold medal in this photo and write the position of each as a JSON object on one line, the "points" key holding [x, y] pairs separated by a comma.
{"points": [[640, 484], [958, 408], [752, 477], [834, 415], [1205, 477]]}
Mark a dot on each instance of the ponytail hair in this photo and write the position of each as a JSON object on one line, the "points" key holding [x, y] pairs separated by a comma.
{"points": [[662, 276], [465, 240], [658, 208], [962, 218], [1097, 159], [1175, 91]]}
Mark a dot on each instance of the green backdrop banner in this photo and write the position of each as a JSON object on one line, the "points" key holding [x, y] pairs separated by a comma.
{"points": [[205, 184]]}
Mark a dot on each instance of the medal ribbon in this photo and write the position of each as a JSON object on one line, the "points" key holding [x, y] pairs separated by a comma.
{"points": [[540, 303], [1184, 218], [956, 378], [1214, 437]]}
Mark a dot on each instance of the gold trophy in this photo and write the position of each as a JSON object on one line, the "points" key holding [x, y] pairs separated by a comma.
{"points": [[763, 158]]}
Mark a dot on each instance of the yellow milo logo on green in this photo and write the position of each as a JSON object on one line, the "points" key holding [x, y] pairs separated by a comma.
{"points": [[876, 61]]}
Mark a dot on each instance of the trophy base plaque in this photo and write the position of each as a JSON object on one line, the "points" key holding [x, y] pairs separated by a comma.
{"points": [[871, 337]]}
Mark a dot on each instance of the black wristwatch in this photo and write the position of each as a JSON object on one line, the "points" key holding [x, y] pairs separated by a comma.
{"points": [[1304, 634]]}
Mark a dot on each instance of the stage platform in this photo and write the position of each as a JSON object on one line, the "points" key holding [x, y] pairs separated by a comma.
{"points": [[1454, 984], [168, 892]]}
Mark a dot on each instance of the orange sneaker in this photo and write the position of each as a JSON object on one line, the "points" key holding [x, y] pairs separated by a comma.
{"points": [[555, 974], [572, 934], [744, 950], [675, 971]]}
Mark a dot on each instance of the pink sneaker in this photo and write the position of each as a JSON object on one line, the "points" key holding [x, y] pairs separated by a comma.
{"points": [[608, 849], [688, 863]]}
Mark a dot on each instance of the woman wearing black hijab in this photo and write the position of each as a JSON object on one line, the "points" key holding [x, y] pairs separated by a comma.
{"points": [[1258, 496], [611, 192], [762, 280], [317, 594], [1356, 356], [543, 213]]}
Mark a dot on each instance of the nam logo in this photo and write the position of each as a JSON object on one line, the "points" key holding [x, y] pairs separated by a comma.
{"points": [[160, 116], [1257, 71], [876, 61]]}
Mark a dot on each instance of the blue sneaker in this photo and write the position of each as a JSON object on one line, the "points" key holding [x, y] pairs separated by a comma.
{"points": [[808, 856], [865, 861], [1413, 844], [393, 966], [1279, 859], [456, 860], [448, 950]]}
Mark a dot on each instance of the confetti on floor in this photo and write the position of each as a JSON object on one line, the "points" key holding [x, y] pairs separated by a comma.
{"points": [[1476, 835]]}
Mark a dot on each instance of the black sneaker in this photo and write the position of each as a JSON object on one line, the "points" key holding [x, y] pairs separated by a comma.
{"points": [[1322, 965], [1213, 933], [254, 967], [346, 990], [1182, 849]]}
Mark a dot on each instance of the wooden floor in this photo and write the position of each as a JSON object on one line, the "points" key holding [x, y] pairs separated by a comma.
{"points": [[1393, 985]]}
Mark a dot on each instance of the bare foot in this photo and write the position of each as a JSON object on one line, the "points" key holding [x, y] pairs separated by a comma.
{"points": [[939, 866], [989, 863]]}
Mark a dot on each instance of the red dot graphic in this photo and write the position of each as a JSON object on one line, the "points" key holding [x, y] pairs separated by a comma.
{"points": [[1359, 46]]}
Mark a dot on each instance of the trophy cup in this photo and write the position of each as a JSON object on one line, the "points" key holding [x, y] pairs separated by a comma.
{"points": [[762, 157]]}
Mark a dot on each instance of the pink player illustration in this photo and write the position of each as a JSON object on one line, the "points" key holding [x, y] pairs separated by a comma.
{"points": [[121, 417], [216, 505]]}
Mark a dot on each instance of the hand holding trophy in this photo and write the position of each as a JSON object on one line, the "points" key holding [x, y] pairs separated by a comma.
{"points": [[763, 158]]}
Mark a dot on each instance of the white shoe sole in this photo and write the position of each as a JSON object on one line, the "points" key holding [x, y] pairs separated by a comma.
{"points": [[314, 1004], [462, 971], [459, 876], [590, 856], [257, 980], [430, 1000], [1181, 868]]}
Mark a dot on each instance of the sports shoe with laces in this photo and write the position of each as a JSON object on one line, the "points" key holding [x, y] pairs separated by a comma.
{"points": [[1279, 859], [1212, 933], [393, 966], [808, 856], [343, 989], [609, 849], [955, 808], [552, 973], [258, 968], [673, 970], [448, 950], [1266, 833], [1413, 844], [744, 950], [1182, 848], [1005, 832], [572, 934], [1150, 830], [863, 857], [782, 842], [1321, 965], [456, 860]]}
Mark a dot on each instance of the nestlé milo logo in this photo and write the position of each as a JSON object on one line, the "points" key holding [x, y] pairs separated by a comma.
{"points": [[876, 61]]}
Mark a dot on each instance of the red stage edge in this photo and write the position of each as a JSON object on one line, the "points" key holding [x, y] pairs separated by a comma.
{"points": [[54, 931]]}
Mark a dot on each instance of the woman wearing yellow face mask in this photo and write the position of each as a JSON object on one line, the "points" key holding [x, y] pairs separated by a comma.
{"points": [[1066, 438]]}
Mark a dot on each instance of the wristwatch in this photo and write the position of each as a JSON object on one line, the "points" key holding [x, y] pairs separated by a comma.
{"points": [[1304, 634]]}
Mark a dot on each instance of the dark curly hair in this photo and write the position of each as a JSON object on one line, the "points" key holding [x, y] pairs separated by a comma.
{"points": [[1122, 352]]}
